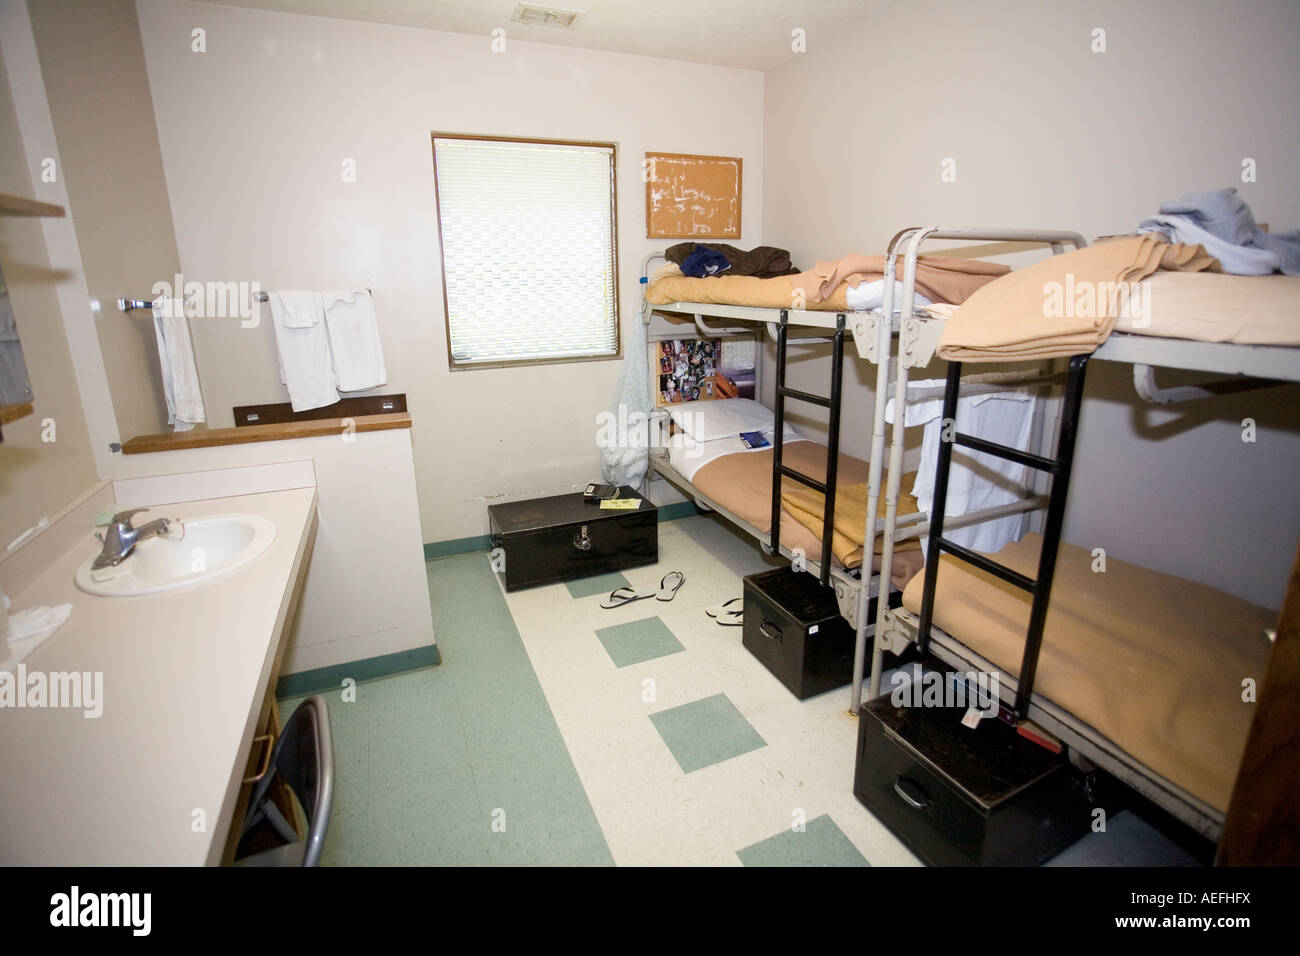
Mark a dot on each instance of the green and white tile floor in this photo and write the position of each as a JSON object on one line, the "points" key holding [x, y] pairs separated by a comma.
{"points": [[556, 732]]}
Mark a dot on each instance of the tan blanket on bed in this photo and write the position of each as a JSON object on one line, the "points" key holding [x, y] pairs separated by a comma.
{"points": [[1153, 662], [777, 293], [742, 483], [808, 508], [939, 278], [1064, 305], [1218, 307]]}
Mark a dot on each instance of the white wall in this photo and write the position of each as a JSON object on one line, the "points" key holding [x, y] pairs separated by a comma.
{"points": [[253, 135], [36, 477], [1046, 133]]}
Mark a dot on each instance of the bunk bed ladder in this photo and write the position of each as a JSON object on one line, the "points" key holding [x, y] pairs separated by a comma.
{"points": [[1039, 587], [779, 469]]}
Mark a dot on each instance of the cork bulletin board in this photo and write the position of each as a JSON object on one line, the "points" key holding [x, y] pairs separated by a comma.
{"points": [[692, 197]]}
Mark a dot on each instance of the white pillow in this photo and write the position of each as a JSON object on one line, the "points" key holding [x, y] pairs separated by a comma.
{"points": [[721, 418]]}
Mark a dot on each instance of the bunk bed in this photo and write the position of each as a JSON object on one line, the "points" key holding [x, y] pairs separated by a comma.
{"points": [[1083, 676], [744, 305]]}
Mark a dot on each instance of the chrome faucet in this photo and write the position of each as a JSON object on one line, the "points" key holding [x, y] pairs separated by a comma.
{"points": [[121, 538]]}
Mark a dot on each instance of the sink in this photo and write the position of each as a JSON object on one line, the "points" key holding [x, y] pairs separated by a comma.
{"points": [[204, 549]]}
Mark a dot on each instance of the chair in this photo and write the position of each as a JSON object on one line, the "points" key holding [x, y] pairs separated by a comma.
{"points": [[304, 760]]}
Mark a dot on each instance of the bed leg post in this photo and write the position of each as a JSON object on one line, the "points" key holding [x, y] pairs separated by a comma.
{"points": [[833, 448], [779, 423]]}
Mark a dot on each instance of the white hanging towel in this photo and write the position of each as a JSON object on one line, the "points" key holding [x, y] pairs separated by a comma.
{"points": [[354, 340], [302, 308], [976, 480], [180, 376], [304, 349]]}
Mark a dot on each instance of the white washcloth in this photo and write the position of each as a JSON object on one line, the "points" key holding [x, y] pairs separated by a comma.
{"points": [[29, 629], [303, 308], [975, 480], [871, 295], [354, 340], [305, 365], [180, 376]]}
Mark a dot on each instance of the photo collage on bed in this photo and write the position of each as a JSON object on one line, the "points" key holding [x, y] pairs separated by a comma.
{"points": [[692, 370]]}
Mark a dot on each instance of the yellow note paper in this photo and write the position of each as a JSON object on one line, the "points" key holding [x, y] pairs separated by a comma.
{"points": [[620, 504]]}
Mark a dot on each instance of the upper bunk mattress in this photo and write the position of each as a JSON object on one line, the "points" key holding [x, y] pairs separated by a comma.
{"points": [[776, 293], [1153, 662], [1217, 307]]}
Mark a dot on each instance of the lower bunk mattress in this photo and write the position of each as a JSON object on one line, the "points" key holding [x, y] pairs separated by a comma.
{"points": [[1153, 662], [740, 480]]}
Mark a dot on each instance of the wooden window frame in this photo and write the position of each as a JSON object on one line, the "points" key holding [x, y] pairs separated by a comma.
{"points": [[617, 355]]}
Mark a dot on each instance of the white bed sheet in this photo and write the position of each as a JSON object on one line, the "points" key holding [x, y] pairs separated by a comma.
{"points": [[688, 456]]}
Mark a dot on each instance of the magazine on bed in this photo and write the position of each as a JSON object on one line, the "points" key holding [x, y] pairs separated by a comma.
{"points": [[754, 440]]}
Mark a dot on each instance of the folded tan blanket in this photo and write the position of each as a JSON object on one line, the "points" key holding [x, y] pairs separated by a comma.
{"points": [[807, 507], [1064, 305], [777, 293], [939, 278]]}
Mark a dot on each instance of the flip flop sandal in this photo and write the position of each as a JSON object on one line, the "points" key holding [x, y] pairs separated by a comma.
{"points": [[731, 618], [623, 595], [720, 609], [670, 589]]}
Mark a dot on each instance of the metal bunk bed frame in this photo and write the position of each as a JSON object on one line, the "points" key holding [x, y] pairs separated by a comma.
{"points": [[1264, 366], [872, 335]]}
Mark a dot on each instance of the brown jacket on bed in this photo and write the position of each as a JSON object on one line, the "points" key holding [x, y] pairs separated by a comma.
{"points": [[763, 262]]}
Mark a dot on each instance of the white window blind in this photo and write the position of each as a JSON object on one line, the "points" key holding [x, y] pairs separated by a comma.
{"points": [[528, 252]]}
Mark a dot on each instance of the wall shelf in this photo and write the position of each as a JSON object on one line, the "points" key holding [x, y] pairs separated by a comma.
{"points": [[11, 413], [19, 206]]}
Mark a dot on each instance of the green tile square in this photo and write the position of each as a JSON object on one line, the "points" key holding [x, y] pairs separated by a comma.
{"points": [[600, 584], [821, 843], [705, 732], [637, 641]]}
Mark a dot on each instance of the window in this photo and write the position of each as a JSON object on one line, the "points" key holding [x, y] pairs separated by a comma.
{"points": [[529, 260]]}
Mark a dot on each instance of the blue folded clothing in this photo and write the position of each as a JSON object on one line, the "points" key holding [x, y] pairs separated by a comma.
{"points": [[705, 262], [1222, 222]]}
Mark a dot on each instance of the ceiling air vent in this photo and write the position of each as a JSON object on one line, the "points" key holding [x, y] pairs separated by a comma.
{"points": [[546, 16]]}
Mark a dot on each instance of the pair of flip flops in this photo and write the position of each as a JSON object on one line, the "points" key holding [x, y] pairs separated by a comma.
{"points": [[668, 588], [728, 613]]}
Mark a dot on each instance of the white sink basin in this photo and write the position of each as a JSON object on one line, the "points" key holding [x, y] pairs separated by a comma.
{"points": [[206, 547]]}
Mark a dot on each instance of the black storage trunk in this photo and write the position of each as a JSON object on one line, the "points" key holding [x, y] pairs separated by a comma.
{"points": [[546, 540], [960, 796], [793, 626]]}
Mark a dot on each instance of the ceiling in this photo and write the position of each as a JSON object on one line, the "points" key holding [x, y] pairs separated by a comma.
{"points": [[748, 34]]}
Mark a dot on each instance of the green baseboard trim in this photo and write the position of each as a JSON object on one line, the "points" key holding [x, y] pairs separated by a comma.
{"points": [[331, 678], [444, 549], [678, 509]]}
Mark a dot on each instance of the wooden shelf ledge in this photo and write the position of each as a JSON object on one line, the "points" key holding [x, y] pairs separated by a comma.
{"points": [[175, 441], [11, 413], [11, 205]]}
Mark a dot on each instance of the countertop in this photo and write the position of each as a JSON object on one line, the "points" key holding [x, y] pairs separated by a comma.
{"points": [[154, 779]]}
